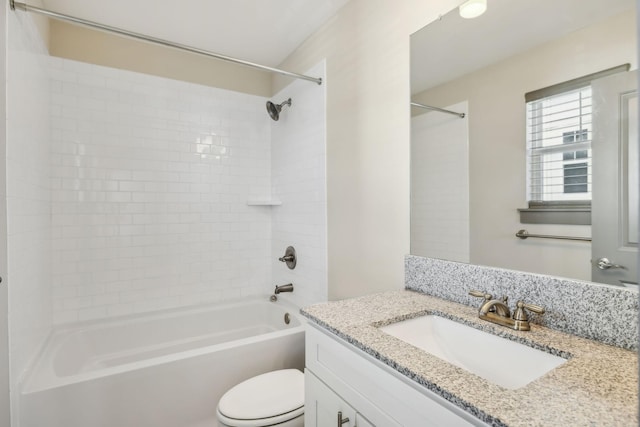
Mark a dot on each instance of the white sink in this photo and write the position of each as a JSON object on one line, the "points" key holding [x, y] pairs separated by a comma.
{"points": [[503, 362]]}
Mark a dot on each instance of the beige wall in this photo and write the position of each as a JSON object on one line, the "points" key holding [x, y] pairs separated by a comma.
{"points": [[497, 144], [96, 47], [367, 50]]}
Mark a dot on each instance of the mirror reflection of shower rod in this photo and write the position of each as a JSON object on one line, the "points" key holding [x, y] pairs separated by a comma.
{"points": [[15, 5], [442, 110]]}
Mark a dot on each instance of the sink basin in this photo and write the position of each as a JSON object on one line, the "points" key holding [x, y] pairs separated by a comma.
{"points": [[501, 361]]}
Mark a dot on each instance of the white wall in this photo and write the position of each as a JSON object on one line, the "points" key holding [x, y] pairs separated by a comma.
{"points": [[298, 159], [28, 195], [440, 185], [497, 145], [151, 179], [366, 45]]}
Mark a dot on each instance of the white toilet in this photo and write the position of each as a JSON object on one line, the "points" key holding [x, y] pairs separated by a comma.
{"points": [[274, 398]]}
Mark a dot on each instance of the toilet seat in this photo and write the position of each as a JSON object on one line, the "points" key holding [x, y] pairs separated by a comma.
{"points": [[264, 400]]}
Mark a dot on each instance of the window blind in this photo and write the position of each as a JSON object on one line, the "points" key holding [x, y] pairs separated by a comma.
{"points": [[559, 133]]}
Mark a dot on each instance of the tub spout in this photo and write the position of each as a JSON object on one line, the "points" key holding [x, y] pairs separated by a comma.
{"points": [[284, 288]]}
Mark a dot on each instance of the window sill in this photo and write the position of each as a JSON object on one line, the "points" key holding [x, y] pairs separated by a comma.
{"points": [[560, 215]]}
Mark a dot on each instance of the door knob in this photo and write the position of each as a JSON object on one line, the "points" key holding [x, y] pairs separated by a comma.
{"points": [[605, 264]]}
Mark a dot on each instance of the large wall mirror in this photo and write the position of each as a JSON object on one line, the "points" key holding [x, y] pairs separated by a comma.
{"points": [[474, 167]]}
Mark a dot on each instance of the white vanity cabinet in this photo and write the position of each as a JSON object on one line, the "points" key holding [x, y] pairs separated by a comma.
{"points": [[341, 378]]}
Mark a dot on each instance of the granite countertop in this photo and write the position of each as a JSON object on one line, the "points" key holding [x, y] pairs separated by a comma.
{"points": [[597, 386]]}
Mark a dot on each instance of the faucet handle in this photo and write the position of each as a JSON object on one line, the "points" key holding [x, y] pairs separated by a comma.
{"points": [[480, 294], [520, 312], [289, 257], [487, 297]]}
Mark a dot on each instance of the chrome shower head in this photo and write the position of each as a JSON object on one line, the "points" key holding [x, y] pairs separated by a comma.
{"points": [[274, 109]]}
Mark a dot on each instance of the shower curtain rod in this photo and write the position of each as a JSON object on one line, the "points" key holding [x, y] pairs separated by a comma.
{"points": [[442, 110], [79, 21]]}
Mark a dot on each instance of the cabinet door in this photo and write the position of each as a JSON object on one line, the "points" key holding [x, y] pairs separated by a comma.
{"points": [[322, 406]]}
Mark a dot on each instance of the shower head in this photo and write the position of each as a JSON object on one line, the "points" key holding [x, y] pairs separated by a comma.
{"points": [[274, 109]]}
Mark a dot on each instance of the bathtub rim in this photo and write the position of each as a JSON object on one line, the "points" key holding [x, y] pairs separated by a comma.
{"points": [[33, 384]]}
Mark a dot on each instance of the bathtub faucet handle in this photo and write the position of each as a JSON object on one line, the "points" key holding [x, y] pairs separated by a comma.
{"points": [[284, 288], [289, 257]]}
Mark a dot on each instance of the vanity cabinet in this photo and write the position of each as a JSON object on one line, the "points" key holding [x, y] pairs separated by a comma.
{"points": [[342, 378]]}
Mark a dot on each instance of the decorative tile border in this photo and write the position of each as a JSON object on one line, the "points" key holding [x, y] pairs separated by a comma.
{"points": [[591, 310]]}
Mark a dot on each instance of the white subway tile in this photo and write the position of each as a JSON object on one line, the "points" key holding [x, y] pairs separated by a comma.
{"points": [[162, 183]]}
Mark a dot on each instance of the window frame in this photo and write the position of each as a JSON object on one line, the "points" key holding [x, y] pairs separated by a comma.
{"points": [[573, 212]]}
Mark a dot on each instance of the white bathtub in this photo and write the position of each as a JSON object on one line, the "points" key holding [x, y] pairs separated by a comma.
{"points": [[162, 370]]}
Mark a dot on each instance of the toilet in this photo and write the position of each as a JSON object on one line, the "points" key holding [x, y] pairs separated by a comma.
{"points": [[274, 398]]}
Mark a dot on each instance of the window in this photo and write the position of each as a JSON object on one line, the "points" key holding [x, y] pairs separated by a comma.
{"points": [[559, 147], [559, 133]]}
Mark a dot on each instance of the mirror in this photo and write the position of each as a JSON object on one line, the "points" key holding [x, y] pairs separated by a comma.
{"points": [[468, 175]]}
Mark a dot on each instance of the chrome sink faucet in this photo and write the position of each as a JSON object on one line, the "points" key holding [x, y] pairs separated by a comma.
{"points": [[497, 311]]}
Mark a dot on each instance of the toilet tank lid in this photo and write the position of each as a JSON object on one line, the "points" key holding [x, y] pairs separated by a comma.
{"points": [[264, 396]]}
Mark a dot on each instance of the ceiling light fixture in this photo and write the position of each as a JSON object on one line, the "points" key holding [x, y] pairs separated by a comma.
{"points": [[472, 8]]}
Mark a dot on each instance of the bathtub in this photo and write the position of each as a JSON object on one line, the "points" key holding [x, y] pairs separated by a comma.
{"points": [[165, 369]]}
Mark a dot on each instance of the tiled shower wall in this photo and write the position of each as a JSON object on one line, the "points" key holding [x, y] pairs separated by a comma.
{"points": [[298, 161], [150, 183]]}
